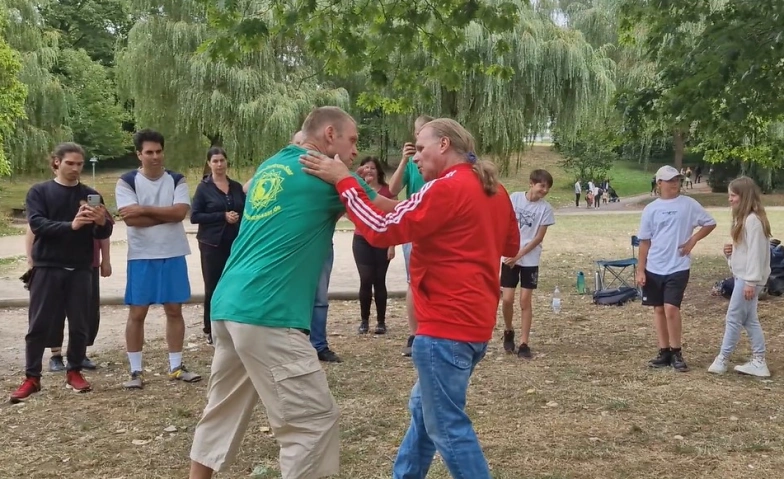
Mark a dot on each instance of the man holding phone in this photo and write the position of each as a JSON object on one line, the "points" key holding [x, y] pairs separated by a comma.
{"points": [[64, 229]]}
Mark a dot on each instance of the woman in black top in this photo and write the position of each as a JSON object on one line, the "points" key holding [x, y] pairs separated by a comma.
{"points": [[217, 209]]}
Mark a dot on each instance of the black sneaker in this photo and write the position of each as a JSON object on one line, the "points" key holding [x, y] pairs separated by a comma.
{"points": [[509, 342], [381, 328], [329, 356], [363, 327], [524, 352], [56, 364], [409, 344], [663, 359], [88, 364], [678, 363]]}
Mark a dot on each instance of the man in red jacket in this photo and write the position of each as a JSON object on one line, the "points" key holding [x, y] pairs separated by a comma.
{"points": [[461, 223]]}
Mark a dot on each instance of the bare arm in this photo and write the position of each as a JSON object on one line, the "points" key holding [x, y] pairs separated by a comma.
{"points": [[29, 237], [142, 221], [540, 232], [105, 247], [702, 233], [385, 204], [246, 186], [396, 182], [166, 214]]}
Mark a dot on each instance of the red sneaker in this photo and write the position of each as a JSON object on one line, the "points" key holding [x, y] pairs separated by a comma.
{"points": [[76, 381], [29, 387]]}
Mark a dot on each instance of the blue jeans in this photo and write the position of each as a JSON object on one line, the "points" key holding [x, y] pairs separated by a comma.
{"points": [[438, 418], [318, 322]]}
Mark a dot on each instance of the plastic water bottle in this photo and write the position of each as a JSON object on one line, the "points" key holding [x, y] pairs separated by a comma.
{"points": [[557, 300], [580, 283]]}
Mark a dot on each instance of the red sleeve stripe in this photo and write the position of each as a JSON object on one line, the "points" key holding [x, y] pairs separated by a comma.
{"points": [[378, 222]]}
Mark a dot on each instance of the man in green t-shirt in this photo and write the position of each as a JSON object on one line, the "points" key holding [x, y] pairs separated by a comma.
{"points": [[408, 176], [262, 307]]}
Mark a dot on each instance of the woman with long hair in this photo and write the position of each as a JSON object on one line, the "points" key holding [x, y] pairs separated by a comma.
{"points": [[749, 259], [372, 262], [217, 209]]}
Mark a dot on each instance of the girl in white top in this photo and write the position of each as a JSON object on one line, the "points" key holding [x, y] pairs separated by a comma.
{"points": [[749, 259]]}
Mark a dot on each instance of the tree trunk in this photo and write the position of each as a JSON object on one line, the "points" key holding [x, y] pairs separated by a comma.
{"points": [[215, 139], [679, 144]]}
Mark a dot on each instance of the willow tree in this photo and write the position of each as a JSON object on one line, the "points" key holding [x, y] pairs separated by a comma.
{"points": [[556, 77], [45, 121], [12, 94], [599, 22], [251, 105], [540, 74]]}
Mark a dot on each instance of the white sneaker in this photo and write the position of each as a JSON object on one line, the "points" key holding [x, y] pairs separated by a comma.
{"points": [[719, 365], [755, 367]]}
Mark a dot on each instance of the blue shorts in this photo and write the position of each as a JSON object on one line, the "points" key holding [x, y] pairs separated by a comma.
{"points": [[407, 260], [157, 281]]}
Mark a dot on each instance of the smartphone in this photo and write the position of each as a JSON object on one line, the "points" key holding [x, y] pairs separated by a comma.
{"points": [[93, 200]]}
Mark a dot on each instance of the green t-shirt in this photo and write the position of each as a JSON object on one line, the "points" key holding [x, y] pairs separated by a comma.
{"points": [[412, 178], [285, 235]]}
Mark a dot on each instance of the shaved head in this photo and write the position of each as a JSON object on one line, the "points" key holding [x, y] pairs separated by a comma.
{"points": [[325, 116], [331, 131], [298, 137]]}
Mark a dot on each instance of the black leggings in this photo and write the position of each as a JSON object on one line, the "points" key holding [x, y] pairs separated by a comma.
{"points": [[372, 264], [213, 260]]}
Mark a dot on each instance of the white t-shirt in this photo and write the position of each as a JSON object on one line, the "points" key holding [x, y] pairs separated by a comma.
{"points": [[530, 216], [167, 240], [577, 188], [669, 224]]}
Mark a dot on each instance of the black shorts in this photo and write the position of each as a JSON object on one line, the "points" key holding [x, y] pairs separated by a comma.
{"points": [[661, 289], [526, 276]]}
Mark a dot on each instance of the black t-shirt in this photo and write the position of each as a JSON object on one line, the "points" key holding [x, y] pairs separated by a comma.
{"points": [[51, 207]]}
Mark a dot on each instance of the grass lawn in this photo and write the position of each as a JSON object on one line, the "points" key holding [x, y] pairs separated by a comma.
{"points": [[585, 407], [720, 200]]}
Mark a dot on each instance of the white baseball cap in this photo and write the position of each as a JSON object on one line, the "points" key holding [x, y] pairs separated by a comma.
{"points": [[666, 173]]}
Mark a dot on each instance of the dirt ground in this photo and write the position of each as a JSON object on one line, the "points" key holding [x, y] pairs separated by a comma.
{"points": [[585, 407]]}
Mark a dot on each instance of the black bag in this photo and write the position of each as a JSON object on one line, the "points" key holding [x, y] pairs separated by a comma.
{"points": [[617, 297]]}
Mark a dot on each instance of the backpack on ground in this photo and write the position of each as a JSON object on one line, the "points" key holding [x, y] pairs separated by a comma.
{"points": [[615, 297]]}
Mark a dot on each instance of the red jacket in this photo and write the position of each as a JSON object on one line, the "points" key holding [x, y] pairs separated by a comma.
{"points": [[459, 235]]}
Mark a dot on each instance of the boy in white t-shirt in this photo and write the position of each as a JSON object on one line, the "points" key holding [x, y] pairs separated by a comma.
{"points": [[534, 215], [666, 242]]}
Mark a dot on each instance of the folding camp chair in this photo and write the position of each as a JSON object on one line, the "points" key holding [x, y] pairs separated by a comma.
{"points": [[622, 271]]}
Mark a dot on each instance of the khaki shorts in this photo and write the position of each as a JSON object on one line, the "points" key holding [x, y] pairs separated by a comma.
{"points": [[281, 367]]}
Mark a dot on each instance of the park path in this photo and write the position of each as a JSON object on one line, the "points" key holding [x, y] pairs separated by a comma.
{"points": [[344, 283], [626, 204]]}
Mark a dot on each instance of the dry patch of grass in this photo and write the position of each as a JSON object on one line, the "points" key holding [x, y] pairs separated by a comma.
{"points": [[585, 407]]}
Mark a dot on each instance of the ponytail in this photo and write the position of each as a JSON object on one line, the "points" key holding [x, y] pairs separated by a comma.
{"points": [[488, 175]]}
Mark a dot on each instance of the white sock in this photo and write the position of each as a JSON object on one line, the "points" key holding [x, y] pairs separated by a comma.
{"points": [[136, 361], [175, 360]]}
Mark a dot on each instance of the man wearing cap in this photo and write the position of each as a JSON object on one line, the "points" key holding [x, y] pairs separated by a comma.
{"points": [[667, 238]]}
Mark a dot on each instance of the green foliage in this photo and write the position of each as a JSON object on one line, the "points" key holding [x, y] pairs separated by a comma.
{"points": [[46, 108], [719, 71], [354, 35], [97, 26], [251, 105], [94, 115], [12, 95], [590, 154]]}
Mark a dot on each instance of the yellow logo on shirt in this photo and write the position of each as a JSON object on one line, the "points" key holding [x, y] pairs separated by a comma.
{"points": [[267, 185]]}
